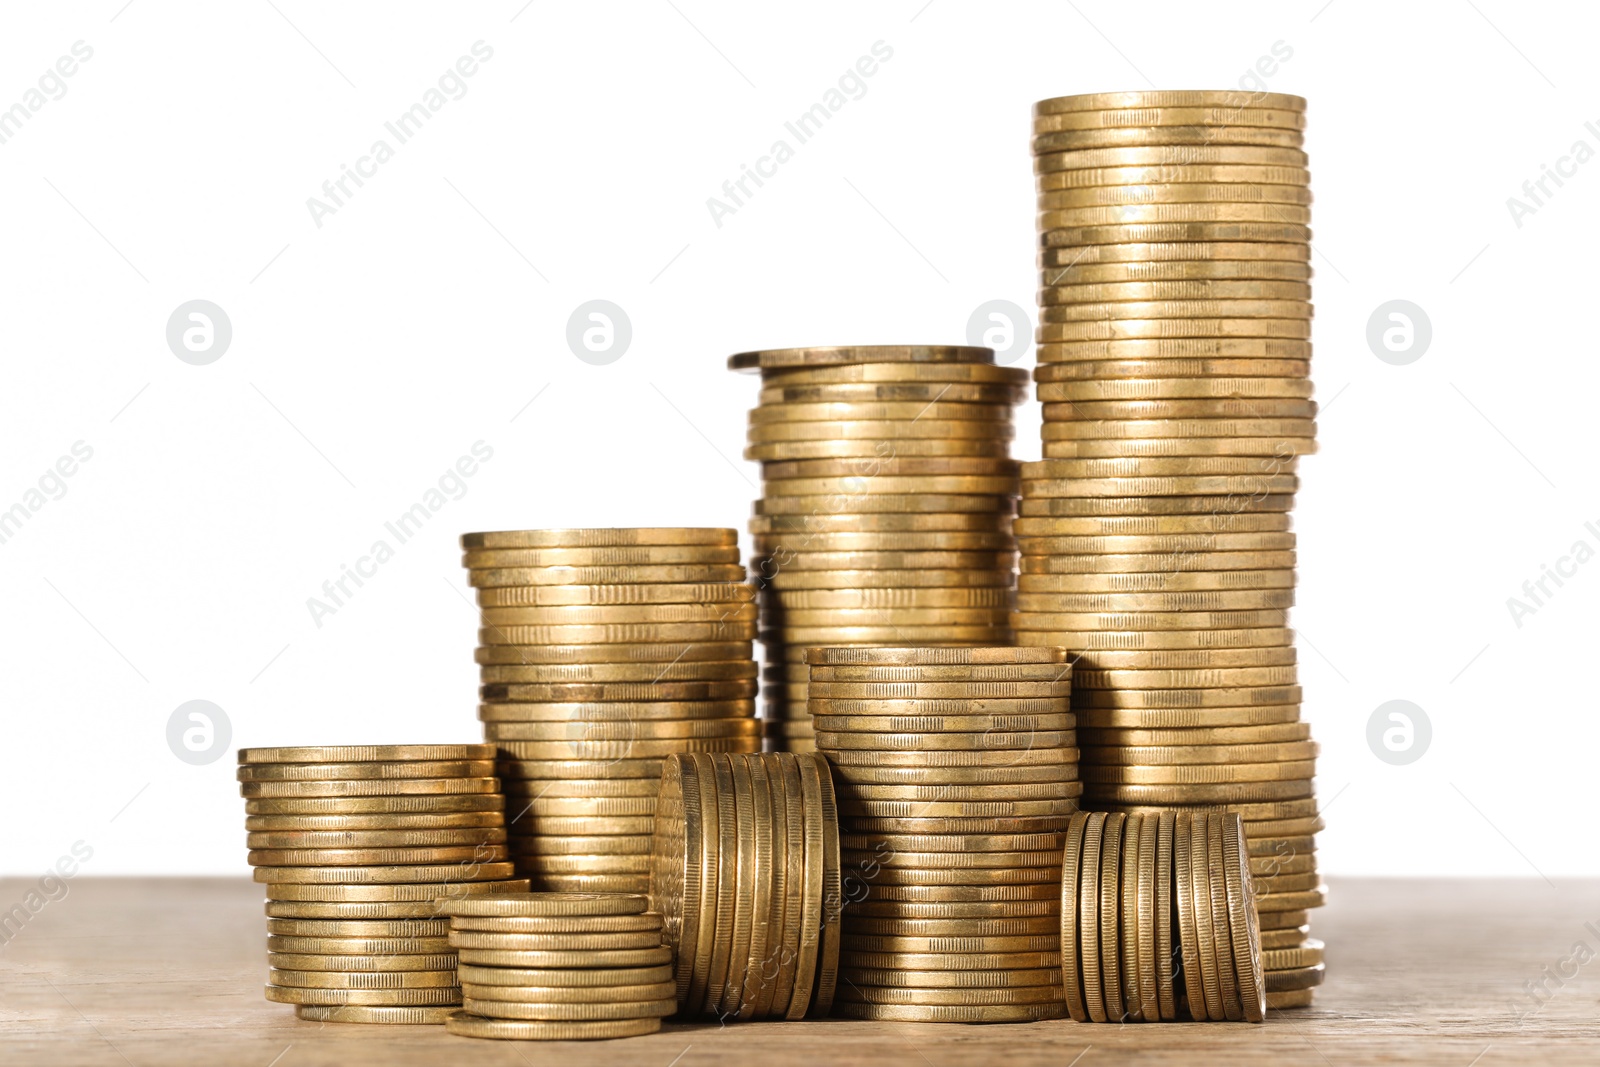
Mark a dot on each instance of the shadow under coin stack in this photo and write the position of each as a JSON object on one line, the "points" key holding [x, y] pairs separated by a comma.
{"points": [[1174, 371], [957, 777], [357, 845], [885, 513], [601, 651], [746, 877], [560, 967]]}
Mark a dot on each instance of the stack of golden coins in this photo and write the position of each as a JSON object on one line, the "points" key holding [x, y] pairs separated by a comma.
{"points": [[1156, 919], [885, 513], [746, 876], [1174, 351], [957, 777], [560, 967], [356, 844], [602, 651]]}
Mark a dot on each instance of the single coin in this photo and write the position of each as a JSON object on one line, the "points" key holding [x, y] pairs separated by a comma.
{"points": [[951, 961], [616, 556], [890, 392], [1127, 919], [638, 957], [378, 857], [1211, 521], [959, 979], [1176, 446], [562, 695], [768, 414], [1196, 754], [1279, 733], [1245, 177], [910, 428], [600, 979], [904, 656], [634, 749], [364, 839], [363, 979], [903, 995], [1044, 472], [357, 946], [626, 673], [845, 448], [1087, 941], [1306, 953], [464, 1024], [1225, 99], [363, 997], [560, 924], [469, 870], [1078, 197], [545, 905], [1187, 948], [1163, 232], [1110, 915], [1049, 141], [843, 760], [600, 537], [1142, 507], [828, 952], [1087, 399], [1284, 981], [1184, 718], [618, 633], [1297, 998], [433, 894], [1001, 672], [360, 928], [893, 372], [1199, 774], [366, 753], [567, 1011], [962, 742], [366, 788], [624, 614], [555, 941], [785, 359], [1208, 154], [514, 734], [388, 961], [355, 1013], [1186, 659], [779, 546], [979, 792], [1140, 940], [613, 595], [1071, 875], [972, 892], [1221, 677], [1153, 214], [916, 690], [354, 910], [874, 724], [1072, 605], [1213, 793], [600, 575], [891, 503], [370, 823], [569, 996], [1237, 111], [1168, 955], [1281, 920], [1169, 554], [857, 523], [1244, 931], [813, 906]]}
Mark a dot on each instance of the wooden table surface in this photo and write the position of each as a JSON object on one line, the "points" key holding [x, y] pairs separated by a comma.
{"points": [[127, 971]]}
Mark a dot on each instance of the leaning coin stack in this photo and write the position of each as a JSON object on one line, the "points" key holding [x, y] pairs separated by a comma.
{"points": [[560, 967], [745, 873], [601, 651], [357, 844], [1174, 372], [886, 509], [957, 777], [1156, 922]]}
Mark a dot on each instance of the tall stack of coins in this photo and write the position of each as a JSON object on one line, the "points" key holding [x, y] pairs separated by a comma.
{"points": [[601, 651], [957, 777], [560, 967], [1156, 922], [746, 876], [357, 844], [1174, 371], [885, 513]]}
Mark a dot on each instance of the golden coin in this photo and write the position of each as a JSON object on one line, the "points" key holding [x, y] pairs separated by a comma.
{"points": [[1187, 948], [1060, 134], [621, 556], [621, 673], [1043, 473], [618, 633], [1138, 507], [363, 857], [304, 839], [1168, 956], [569, 996], [1283, 981], [363, 997], [893, 372], [540, 863], [1225, 99], [1013, 996], [1065, 164], [463, 1024], [1066, 273], [847, 759], [568, 1011], [1184, 659], [560, 924], [968, 892], [356, 910], [780, 546], [944, 742], [1097, 642], [916, 690], [1158, 571], [601, 751], [1187, 679], [1070, 901], [891, 464], [1107, 196], [811, 636], [1091, 399], [1203, 774], [1160, 525], [755, 830], [836, 522], [975, 809], [828, 951], [778, 970], [600, 537], [950, 961], [1224, 793], [354, 1013], [978, 792], [1156, 553], [1182, 408], [1074, 219], [1167, 428], [1278, 733], [730, 829], [955, 672], [1306, 953], [466, 820], [431, 894], [908, 428], [787, 359], [607, 845], [1297, 998], [1297, 901], [852, 561], [675, 863], [838, 448], [890, 392], [342, 788], [563, 942], [357, 946], [1277, 884], [1205, 753], [879, 411], [472, 870], [1070, 607], [636, 957], [891, 656], [1036, 933], [662, 653], [1242, 231], [546, 905], [946, 860], [627, 614], [1129, 918], [847, 487], [949, 1013], [1238, 109], [388, 961], [363, 979], [940, 724], [958, 979], [813, 906], [514, 735], [619, 692], [599, 979], [614, 595], [1247, 177], [1176, 446], [874, 503], [388, 754], [600, 575], [993, 617], [1107, 885], [554, 815]]}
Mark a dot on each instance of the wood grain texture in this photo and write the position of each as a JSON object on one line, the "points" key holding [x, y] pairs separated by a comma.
{"points": [[169, 971]]}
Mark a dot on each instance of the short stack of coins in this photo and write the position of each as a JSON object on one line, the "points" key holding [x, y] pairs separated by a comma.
{"points": [[1156, 919], [602, 651], [1174, 348], [560, 967], [357, 844], [746, 876], [886, 506], [957, 777]]}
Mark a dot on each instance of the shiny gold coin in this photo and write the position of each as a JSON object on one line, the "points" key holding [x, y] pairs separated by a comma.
{"points": [[1067, 274], [1159, 552], [363, 979], [977, 792], [600, 537], [602, 575], [890, 561], [836, 522], [1198, 774], [463, 1024], [1105, 884], [875, 503], [667, 652], [844, 760], [366, 787], [355, 1013], [362, 857], [1211, 793], [394, 893], [1278, 733], [1225, 396], [612, 595], [890, 392], [1139, 257], [1141, 507], [561, 942], [631, 749], [1302, 954], [1221, 677], [1108, 328], [1049, 142], [1160, 571], [1012, 689], [1297, 998], [1259, 696], [357, 946], [540, 864], [849, 487], [1178, 446], [1247, 176], [363, 997], [1096, 641], [1211, 522], [1107, 196], [801, 619], [1206, 754], [556, 845], [1243, 231], [1148, 214], [956, 672], [540, 814], [513, 735], [813, 636], [965, 892], [780, 546], [619, 692], [620, 673], [842, 448], [1150, 619], [958, 979], [625, 615], [1167, 428], [470, 870], [598, 979], [893, 372], [789, 359], [950, 961], [892, 656], [1226, 485], [359, 839], [356, 910], [830, 740], [618, 633], [638, 957], [1225, 99], [907, 428], [567, 1011], [1183, 659], [618, 556], [370, 823], [569, 995], [560, 924], [1012, 996], [1038, 924], [1283, 981], [872, 724], [382, 754], [386, 962], [1237, 109], [1275, 884], [976, 809], [1292, 901], [1042, 473], [768, 414], [546, 905]]}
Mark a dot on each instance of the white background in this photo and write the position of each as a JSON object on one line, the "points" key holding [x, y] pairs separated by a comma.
{"points": [[427, 312]]}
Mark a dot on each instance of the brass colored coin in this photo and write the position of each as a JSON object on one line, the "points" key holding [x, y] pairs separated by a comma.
{"points": [[1244, 930], [1068, 274], [812, 636], [513, 734], [909, 428], [1137, 257], [676, 844], [973, 809], [1231, 677], [1156, 214], [846, 759], [853, 486], [366, 788], [1306, 953], [1284, 981], [356, 1013], [1146, 507], [1110, 912], [625, 673], [627, 749], [781, 545], [494, 577], [1083, 399], [960, 742], [537, 844], [1179, 427], [1186, 659], [530, 720], [1296, 998], [787, 359], [323, 754], [730, 830], [1211, 794], [894, 372], [828, 951], [363, 997], [1099, 641], [560, 924], [1172, 572], [1154, 621], [1008, 997], [1176, 446], [1038, 921], [945, 825], [617, 556], [311, 839], [959, 979], [613, 595], [1128, 919], [941, 724], [1212, 522], [363, 979], [540, 864], [904, 656], [355, 910], [1146, 960], [569, 996], [599, 979], [950, 1013], [1072, 606], [854, 448], [1238, 111], [1051, 141], [1048, 471], [950, 961], [612, 808], [1196, 754], [890, 392], [471, 870], [370, 823], [1001, 672], [813, 906], [876, 411], [1077, 197], [1071, 939], [623, 614], [836, 522], [1245, 178], [1174, 408], [1162, 552], [378, 857], [996, 504], [600, 537], [636, 957], [1203, 774], [433, 894], [979, 792], [1280, 733], [388, 961], [1087, 943], [1187, 921], [1225, 99], [571, 1012], [1164, 232], [357, 946], [546, 905], [966, 892], [1280, 884], [850, 561], [916, 690], [617, 633], [463, 1024], [557, 942], [359, 928]]}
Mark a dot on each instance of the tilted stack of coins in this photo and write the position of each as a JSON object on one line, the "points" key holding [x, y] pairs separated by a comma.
{"points": [[603, 650], [746, 876], [957, 777], [560, 967], [1174, 371], [885, 514], [1156, 922], [357, 844]]}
